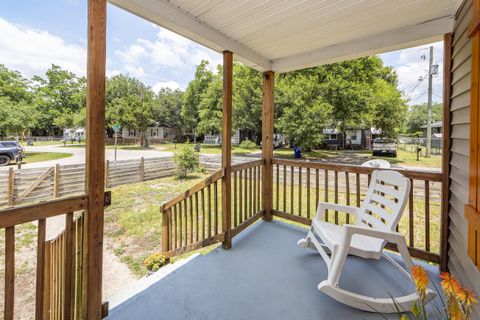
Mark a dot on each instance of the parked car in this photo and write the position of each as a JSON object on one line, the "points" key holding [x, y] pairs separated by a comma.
{"points": [[10, 151], [383, 146]]}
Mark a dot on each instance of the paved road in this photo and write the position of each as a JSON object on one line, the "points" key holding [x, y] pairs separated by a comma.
{"points": [[78, 155]]}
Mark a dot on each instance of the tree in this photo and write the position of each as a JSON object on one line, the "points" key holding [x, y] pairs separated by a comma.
{"points": [[194, 95], [168, 107], [16, 117], [247, 99], [357, 91], [417, 116], [16, 112], [130, 103], [304, 111], [388, 109], [14, 86], [210, 107], [58, 98]]}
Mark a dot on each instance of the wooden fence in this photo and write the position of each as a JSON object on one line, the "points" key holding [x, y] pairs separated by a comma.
{"points": [[20, 186]]}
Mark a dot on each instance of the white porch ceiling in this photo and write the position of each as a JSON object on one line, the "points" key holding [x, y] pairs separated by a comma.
{"points": [[285, 35]]}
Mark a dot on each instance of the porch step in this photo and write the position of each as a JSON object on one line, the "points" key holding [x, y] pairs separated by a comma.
{"points": [[142, 284]]}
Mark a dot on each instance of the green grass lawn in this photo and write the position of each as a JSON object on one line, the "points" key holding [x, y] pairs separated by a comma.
{"points": [[133, 222], [32, 157], [404, 158]]}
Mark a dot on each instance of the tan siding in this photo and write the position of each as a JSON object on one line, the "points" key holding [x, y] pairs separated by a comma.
{"points": [[459, 262]]}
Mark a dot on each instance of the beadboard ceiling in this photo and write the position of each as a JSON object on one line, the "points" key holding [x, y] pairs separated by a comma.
{"points": [[285, 35]]}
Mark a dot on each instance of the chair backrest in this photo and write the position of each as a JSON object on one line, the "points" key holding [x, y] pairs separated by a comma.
{"points": [[385, 200]]}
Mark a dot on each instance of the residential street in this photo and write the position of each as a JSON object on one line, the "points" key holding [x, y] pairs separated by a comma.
{"points": [[78, 155]]}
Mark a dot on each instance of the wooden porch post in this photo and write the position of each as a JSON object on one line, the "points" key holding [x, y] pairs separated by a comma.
{"points": [[267, 143], [227, 148], [447, 89], [95, 161]]}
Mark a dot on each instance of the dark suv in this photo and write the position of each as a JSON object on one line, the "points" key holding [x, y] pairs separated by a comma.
{"points": [[10, 150]]}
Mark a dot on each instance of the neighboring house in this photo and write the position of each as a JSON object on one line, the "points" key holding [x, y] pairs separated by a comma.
{"points": [[436, 129], [160, 133], [355, 138], [217, 138], [74, 134]]}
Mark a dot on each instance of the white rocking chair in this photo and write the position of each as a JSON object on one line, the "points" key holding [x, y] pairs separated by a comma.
{"points": [[375, 225]]}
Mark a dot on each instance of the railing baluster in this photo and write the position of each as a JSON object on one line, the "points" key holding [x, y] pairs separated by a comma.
{"points": [[259, 189], [9, 273], [175, 230], [278, 188], [180, 218], [254, 203], [411, 217], [215, 199], [185, 220], [357, 186], [347, 196], [326, 193], [300, 191], [209, 195], [317, 190], [235, 209], [197, 220], [203, 214], [245, 207], [250, 192], [284, 188], [240, 197], [336, 194], [40, 283], [68, 271], [308, 193], [292, 183], [191, 219], [427, 215]]}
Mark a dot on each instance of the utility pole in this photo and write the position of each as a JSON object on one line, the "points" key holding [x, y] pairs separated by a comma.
{"points": [[429, 110]]}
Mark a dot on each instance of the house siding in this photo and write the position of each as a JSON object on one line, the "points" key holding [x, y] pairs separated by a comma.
{"points": [[459, 263]]}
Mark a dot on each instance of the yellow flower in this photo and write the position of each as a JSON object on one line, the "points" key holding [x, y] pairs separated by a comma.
{"points": [[467, 297], [420, 277]]}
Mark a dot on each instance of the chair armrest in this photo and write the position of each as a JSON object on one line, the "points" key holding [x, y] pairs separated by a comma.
{"points": [[390, 236], [322, 206]]}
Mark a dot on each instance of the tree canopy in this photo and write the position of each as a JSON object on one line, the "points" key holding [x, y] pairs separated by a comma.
{"points": [[360, 93]]}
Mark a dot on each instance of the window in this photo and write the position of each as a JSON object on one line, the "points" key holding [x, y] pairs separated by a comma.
{"points": [[131, 133], [354, 137]]}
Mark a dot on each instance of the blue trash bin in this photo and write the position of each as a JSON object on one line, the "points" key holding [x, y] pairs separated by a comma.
{"points": [[297, 152]]}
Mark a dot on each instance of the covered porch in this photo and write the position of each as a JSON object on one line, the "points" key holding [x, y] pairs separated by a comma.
{"points": [[259, 273], [264, 276]]}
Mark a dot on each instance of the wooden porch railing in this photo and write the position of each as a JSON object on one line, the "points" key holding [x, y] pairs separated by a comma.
{"points": [[299, 186], [193, 219], [59, 261]]}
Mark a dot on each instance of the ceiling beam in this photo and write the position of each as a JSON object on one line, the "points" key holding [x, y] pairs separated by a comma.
{"points": [[169, 17], [411, 36]]}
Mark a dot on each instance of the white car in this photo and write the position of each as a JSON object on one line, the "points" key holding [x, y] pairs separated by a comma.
{"points": [[383, 147]]}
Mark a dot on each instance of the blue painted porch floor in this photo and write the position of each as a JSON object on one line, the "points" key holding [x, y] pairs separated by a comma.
{"points": [[264, 276]]}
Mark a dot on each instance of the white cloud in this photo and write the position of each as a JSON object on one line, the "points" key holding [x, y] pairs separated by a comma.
{"points": [[132, 54], [410, 67], [165, 84], [32, 51], [168, 50], [135, 71]]}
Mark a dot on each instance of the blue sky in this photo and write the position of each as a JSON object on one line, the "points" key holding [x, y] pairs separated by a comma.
{"points": [[40, 33]]}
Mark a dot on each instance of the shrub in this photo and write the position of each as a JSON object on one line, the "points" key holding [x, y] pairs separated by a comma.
{"points": [[154, 261], [186, 160], [248, 144]]}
